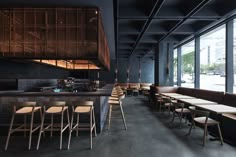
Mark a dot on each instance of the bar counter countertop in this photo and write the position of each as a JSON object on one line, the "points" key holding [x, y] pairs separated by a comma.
{"points": [[104, 91]]}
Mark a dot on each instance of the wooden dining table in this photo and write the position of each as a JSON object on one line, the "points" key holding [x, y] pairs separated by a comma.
{"points": [[182, 97], [170, 94], [218, 108], [197, 101]]}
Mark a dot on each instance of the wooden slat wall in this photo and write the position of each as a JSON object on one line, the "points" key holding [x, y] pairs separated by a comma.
{"points": [[53, 33]]}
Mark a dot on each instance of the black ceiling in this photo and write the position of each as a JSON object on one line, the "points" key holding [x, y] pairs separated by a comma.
{"points": [[141, 24]]}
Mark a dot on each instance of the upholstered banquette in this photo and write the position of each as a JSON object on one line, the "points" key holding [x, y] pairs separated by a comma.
{"points": [[228, 121]]}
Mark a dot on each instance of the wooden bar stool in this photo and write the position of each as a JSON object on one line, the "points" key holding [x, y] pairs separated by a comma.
{"points": [[56, 107], [26, 108], [115, 101], [83, 107]]}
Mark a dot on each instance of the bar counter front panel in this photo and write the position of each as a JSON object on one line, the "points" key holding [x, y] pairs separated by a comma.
{"points": [[99, 97]]}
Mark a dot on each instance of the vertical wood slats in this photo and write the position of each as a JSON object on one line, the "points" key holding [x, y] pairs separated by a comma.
{"points": [[53, 33]]}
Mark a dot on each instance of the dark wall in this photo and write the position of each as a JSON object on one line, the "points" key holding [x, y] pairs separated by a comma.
{"points": [[16, 70], [23, 70], [163, 64], [146, 66]]}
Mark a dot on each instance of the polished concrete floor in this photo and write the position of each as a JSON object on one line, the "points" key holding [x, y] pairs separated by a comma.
{"points": [[149, 134]]}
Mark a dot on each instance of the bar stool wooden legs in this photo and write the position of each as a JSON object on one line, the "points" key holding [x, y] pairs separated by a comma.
{"points": [[57, 107], [115, 102], [27, 108], [112, 104], [83, 107]]}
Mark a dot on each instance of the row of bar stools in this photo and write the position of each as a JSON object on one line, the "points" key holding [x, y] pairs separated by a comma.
{"points": [[56, 107], [83, 107], [115, 101], [26, 108]]}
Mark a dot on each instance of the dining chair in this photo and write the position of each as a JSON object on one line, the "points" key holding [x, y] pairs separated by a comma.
{"points": [[202, 118], [180, 111]]}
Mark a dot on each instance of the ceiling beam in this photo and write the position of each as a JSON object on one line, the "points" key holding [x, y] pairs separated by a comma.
{"points": [[190, 14], [153, 13], [115, 12], [172, 18]]}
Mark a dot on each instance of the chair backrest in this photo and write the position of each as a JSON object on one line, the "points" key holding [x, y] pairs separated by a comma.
{"points": [[27, 103], [167, 100], [57, 103], [178, 105], [200, 113], [83, 103]]}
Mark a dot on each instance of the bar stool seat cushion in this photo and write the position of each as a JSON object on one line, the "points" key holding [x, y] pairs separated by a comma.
{"points": [[202, 120], [25, 110], [56, 109], [113, 102], [114, 98], [82, 109]]}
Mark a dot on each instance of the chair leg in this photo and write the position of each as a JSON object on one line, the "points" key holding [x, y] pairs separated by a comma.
{"points": [[173, 117], [123, 116], [10, 130], [51, 125], [25, 119], [70, 131], [180, 119], [204, 136], [94, 122], [91, 130], [31, 130], [77, 123], [61, 130], [169, 109], [109, 119], [68, 125], [40, 131], [68, 119], [41, 118], [219, 130], [190, 129]]}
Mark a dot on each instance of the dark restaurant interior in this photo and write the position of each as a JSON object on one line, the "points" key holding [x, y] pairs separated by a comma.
{"points": [[118, 78]]}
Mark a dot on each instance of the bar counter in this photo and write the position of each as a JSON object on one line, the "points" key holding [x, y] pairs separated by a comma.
{"points": [[99, 97]]}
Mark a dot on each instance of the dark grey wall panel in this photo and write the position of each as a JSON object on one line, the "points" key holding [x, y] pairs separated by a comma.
{"points": [[109, 76], [32, 84], [16, 70], [20, 70], [161, 72], [122, 70], [147, 70], [134, 70]]}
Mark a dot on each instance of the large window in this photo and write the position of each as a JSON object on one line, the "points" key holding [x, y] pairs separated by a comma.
{"points": [[212, 60], [234, 57], [187, 65], [175, 67]]}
